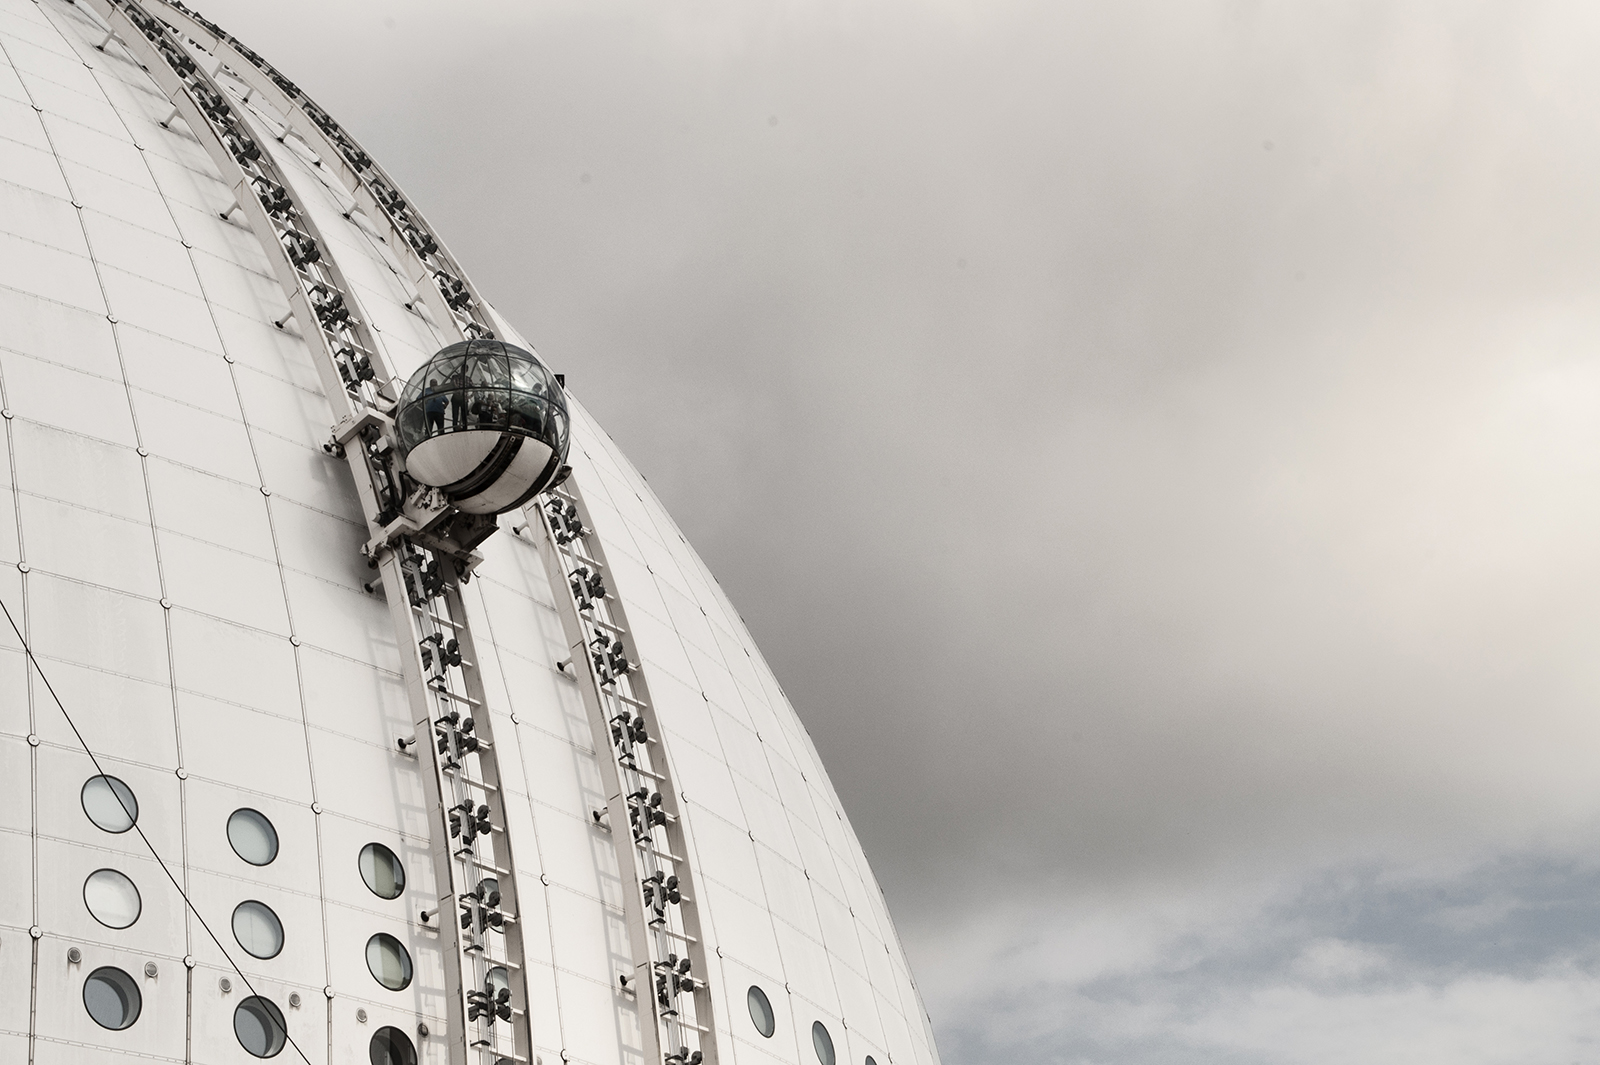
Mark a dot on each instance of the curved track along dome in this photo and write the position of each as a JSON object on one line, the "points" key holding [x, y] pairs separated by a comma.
{"points": [[433, 796]]}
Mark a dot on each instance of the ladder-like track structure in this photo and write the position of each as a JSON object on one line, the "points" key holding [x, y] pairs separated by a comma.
{"points": [[643, 811], [423, 550]]}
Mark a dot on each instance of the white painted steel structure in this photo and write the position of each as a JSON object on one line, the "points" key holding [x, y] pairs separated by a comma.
{"points": [[208, 297]]}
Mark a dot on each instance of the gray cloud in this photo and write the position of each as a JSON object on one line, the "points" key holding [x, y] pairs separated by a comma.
{"points": [[1153, 443]]}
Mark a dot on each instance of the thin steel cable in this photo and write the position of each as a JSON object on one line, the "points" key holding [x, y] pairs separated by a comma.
{"points": [[133, 818]]}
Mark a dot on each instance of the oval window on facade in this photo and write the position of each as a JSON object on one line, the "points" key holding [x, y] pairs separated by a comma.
{"points": [[258, 929], [389, 962], [110, 804], [111, 898], [112, 998], [761, 1011], [823, 1042], [258, 1025], [384, 875], [252, 836], [391, 1046]]}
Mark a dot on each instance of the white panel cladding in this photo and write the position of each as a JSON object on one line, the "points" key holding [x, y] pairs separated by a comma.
{"points": [[213, 1014], [256, 720], [787, 807], [66, 1034]]}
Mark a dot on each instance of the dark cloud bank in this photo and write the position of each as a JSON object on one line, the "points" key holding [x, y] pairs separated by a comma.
{"points": [[1155, 444]]}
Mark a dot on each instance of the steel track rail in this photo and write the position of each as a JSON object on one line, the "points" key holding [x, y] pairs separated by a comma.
{"points": [[421, 581], [675, 1004]]}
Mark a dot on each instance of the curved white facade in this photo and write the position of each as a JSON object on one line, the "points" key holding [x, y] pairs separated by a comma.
{"points": [[184, 558]]}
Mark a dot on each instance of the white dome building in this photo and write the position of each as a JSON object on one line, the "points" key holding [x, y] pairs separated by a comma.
{"points": [[311, 763]]}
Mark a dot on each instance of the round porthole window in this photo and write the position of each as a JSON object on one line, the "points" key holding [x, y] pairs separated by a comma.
{"points": [[112, 998], [384, 875], [822, 1042], [391, 1046], [761, 1011], [389, 962], [111, 898], [110, 804], [495, 980], [252, 836], [258, 1025], [257, 929]]}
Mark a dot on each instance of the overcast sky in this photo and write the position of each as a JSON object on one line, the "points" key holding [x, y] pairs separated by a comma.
{"points": [[1157, 446]]}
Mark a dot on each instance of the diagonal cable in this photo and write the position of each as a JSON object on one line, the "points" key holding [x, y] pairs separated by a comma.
{"points": [[133, 818]]}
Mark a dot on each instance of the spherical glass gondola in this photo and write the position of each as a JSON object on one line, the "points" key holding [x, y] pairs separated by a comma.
{"points": [[486, 423]]}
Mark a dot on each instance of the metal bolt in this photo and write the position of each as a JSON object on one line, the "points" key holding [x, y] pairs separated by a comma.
{"points": [[361, 1016], [188, 961], [225, 985], [23, 567], [422, 1030], [36, 932], [33, 741], [144, 453], [151, 970], [294, 1000], [183, 774], [74, 955]]}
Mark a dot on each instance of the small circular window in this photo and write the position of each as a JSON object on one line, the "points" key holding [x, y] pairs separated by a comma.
{"points": [[112, 998], [389, 962], [495, 980], [252, 836], [111, 898], [384, 875], [391, 1046], [257, 929], [259, 1026], [110, 804], [823, 1042], [761, 1011]]}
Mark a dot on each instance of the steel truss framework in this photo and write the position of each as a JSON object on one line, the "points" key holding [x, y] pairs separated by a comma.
{"points": [[423, 549]]}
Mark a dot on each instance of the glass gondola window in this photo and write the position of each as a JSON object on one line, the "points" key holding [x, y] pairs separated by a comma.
{"points": [[382, 872], [112, 998], [259, 1027], [111, 898], [391, 1046], [388, 962], [258, 929], [484, 422], [252, 836], [761, 1011], [822, 1042], [109, 803]]}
